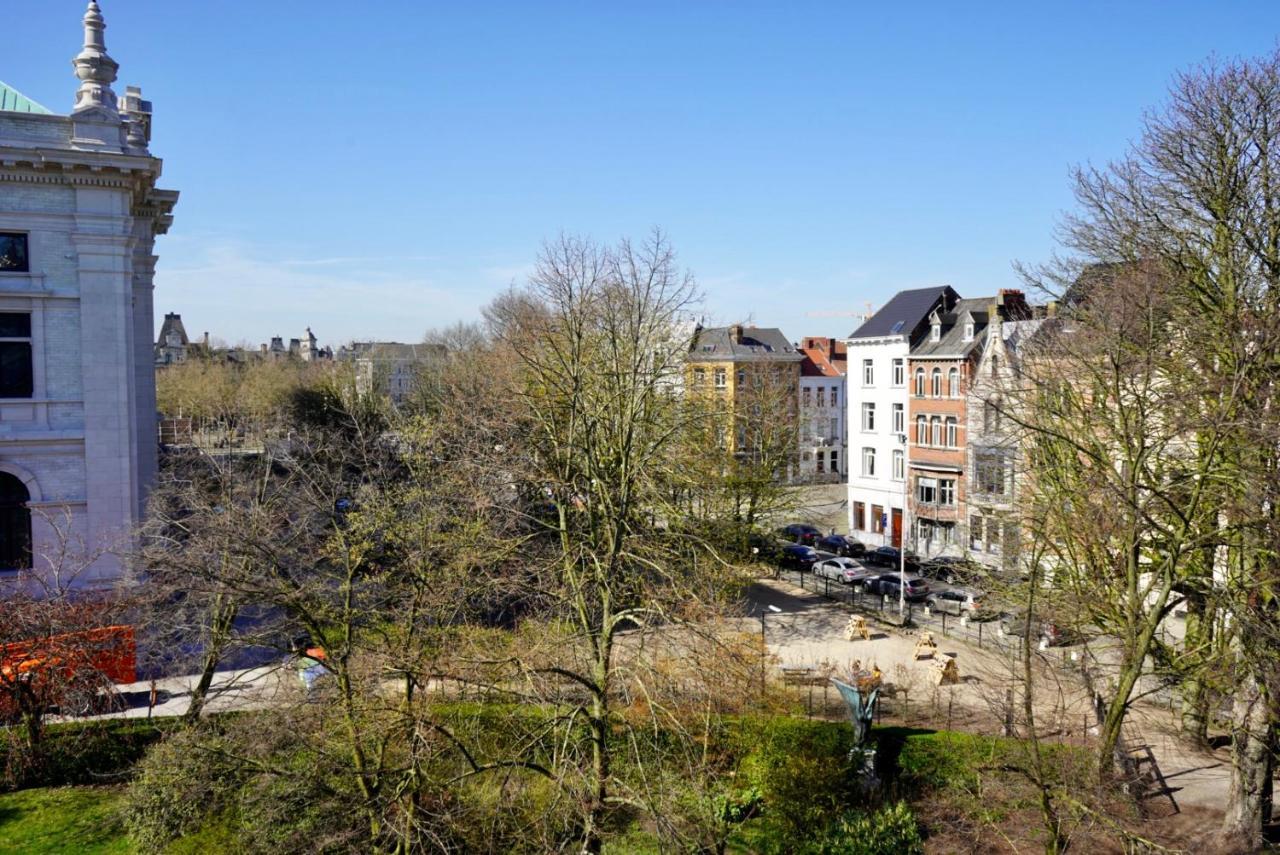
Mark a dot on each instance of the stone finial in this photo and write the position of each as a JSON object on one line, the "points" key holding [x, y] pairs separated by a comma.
{"points": [[96, 70]]}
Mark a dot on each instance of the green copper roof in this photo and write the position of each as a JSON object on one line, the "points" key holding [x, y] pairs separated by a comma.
{"points": [[15, 102]]}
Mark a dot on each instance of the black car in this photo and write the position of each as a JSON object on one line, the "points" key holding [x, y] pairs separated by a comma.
{"points": [[888, 584], [891, 556], [842, 545], [797, 556], [801, 533]]}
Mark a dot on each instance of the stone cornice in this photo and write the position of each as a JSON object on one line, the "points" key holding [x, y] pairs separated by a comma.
{"points": [[57, 165]]}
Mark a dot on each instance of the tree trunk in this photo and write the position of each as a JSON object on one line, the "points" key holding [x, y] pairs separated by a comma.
{"points": [[222, 617], [593, 838], [1250, 768], [1195, 691]]}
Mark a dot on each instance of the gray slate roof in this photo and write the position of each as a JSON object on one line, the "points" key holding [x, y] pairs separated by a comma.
{"points": [[906, 312], [952, 342], [758, 344]]}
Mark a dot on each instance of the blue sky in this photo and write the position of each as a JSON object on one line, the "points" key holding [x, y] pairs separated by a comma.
{"points": [[376, 169]]}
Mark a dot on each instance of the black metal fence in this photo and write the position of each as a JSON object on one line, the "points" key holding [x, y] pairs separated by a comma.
{"points": [[985, 634]]}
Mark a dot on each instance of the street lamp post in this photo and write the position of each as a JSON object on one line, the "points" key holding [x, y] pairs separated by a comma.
{"points": [[764, 645], [902, 539]]}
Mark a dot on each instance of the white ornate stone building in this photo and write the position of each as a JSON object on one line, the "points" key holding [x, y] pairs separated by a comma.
{"points": [[79, 213]]}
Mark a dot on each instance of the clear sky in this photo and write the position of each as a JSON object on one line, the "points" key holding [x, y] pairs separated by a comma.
{"points": [[375, 169]]}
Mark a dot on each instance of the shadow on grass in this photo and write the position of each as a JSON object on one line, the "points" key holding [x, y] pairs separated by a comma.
{"points": [[889, 742]]}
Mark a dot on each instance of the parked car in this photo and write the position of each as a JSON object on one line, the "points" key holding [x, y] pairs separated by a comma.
{"points": [[957, 601], [888, 584], [800, 533], [797, 556], [1052, 634], [766, 547], [891, 556], [952, 568], [843, 545], [844, 570]]}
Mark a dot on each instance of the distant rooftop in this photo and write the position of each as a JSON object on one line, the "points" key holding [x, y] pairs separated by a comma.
{"points": [[739, 343], [903, 314], [13, 101]]}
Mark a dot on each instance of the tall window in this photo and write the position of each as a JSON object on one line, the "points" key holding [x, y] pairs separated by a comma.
{"points": [[742, 377], [922, 431], [936, 391], [835, 461], [899, 373], [990, 416], [721, 378], [899, 419], [835, 396], [989, 472], [869, 462], [13, 253], [975, 532], [935, 431], [877, 519], [868, 373], [835, 429], [15, 355], [919, 382], [822, 396], [868, 417], [951, 432], [806, 396], [899, 465], [995, 366], [953, 383], [699, 376], [859, 516], [946, 491], [15, 524]]}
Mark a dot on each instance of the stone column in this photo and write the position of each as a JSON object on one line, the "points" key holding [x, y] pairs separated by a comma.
{"points": [[104, 243]]}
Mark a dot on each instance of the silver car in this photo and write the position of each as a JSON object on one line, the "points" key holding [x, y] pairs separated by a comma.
{"points": [[843, 570], [958, 601]]}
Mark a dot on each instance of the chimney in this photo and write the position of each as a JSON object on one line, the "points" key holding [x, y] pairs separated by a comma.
{"points": [[1013, 304], [206, 339], [735, 333]]}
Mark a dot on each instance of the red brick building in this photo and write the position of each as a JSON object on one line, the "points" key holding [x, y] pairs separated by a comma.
{"points": [[940, 367]]}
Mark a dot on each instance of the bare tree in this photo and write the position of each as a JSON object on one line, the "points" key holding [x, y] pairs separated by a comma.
{"points": [[1196, 202]]}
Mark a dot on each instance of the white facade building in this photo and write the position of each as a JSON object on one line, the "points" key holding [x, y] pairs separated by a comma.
{"points": [[877, 395], [79, 213], [823, 447]]}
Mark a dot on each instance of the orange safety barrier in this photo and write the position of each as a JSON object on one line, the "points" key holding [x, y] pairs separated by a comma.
{"points": [[109, 650]]}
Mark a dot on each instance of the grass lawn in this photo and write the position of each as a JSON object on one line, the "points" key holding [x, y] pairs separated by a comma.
{"points": [[83, 820]]}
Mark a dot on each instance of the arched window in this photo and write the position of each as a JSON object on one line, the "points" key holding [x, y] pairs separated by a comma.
{"points": [[953, 382], [995, 366], [919, 382], [922, 431], [952, 432], [15, 524], [937, 382], [935, 425]]}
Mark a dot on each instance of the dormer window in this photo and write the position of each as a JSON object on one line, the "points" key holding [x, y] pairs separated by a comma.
{"points": [[968, 331], [935, 334]]}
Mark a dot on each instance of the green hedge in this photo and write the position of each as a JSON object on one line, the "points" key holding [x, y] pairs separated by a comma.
{"points": [[79, 752]]}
